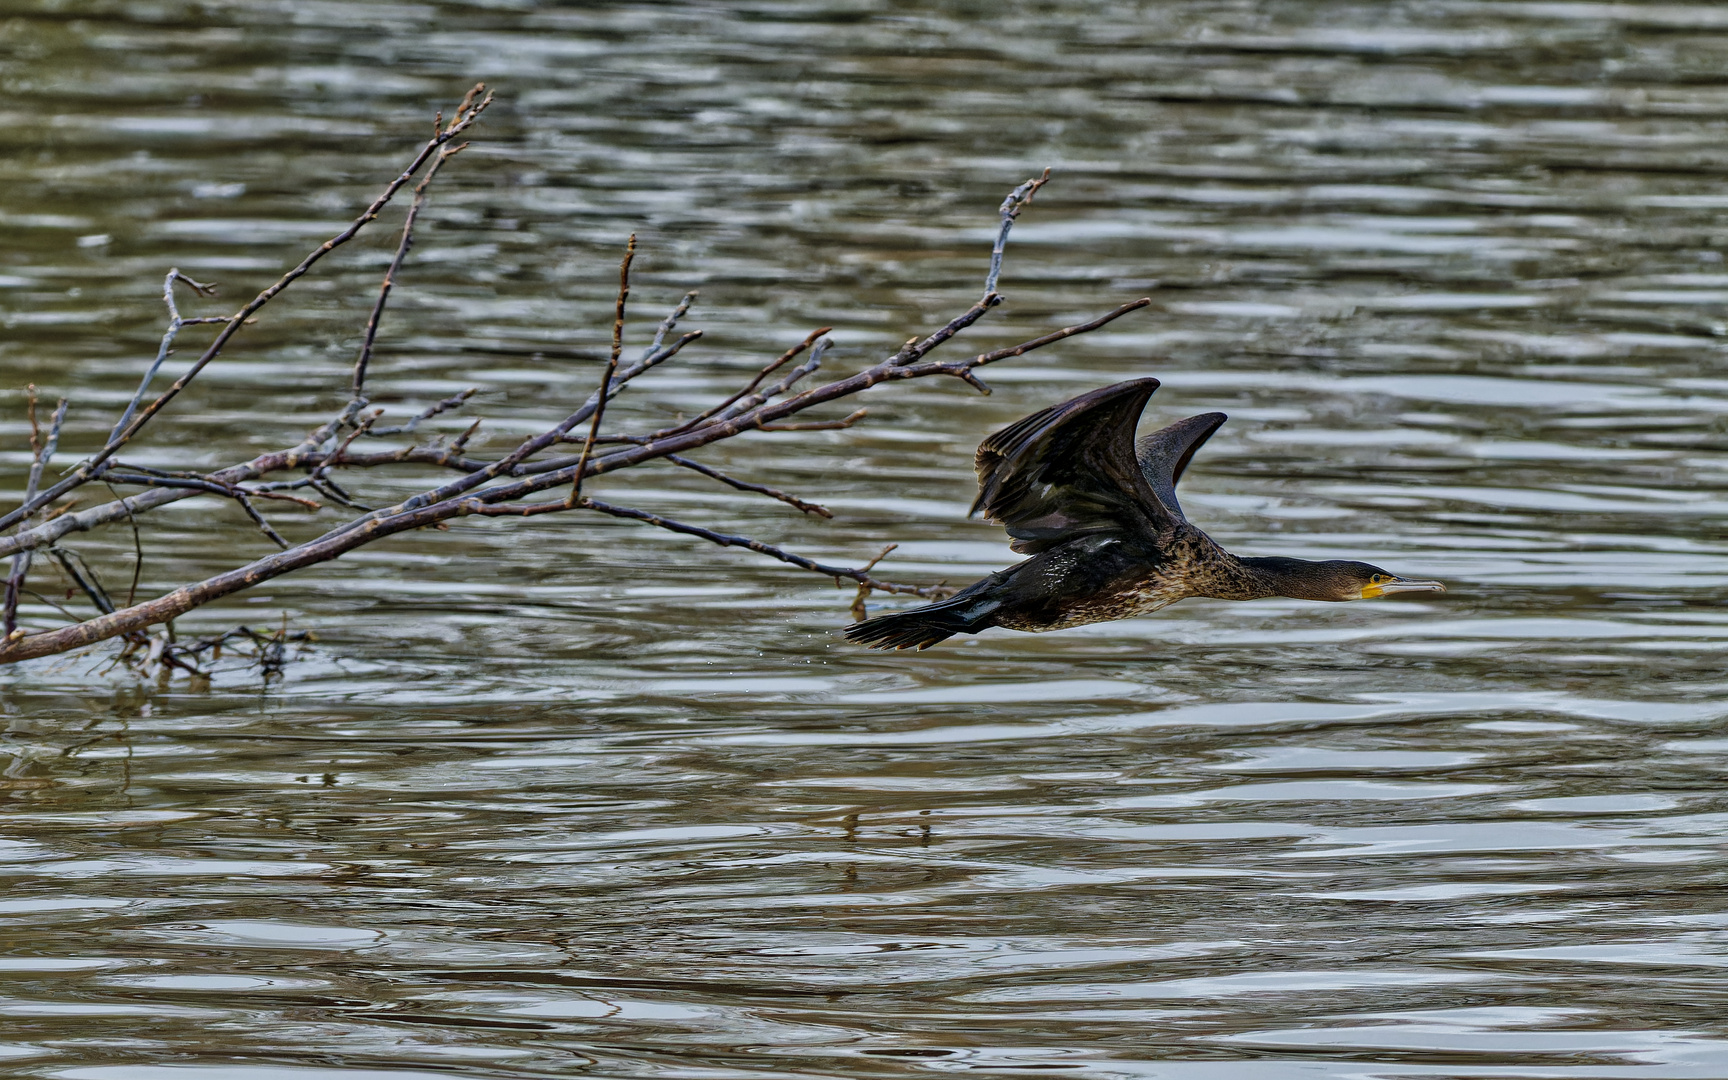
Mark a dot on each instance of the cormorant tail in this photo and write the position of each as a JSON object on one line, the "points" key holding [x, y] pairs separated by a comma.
{"points": [[923, 627]]}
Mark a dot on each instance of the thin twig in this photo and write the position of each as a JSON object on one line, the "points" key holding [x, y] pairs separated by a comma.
{"points": [[91, 585], [358, 388], [335, 458], [49, 445], [238, 494], [857, 611], [605, 390], [1018, 199], [200, 483], [745, 404], [56, 605], [258, 519], [454, 401], [175, 322], [745, 485], [461, 441], [784, 358], [818, 425], [667, 324], [333, 490], [727, 540], [41, 452], [137, 548], [321, 484]]}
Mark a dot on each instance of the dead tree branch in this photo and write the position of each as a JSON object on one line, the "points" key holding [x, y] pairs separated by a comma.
{"points": [[465, 117], [497, 486]]}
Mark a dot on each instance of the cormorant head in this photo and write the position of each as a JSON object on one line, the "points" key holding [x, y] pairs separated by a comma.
{"points": [[1364, 581], [1335, 579]]}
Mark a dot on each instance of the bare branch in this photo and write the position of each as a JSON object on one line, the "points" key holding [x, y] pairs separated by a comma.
{"points": [[550, 472], [964, 367], [53, 529], [745, 404], [745, 485]]}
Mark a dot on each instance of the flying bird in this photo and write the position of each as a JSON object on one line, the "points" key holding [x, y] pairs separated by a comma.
{"points": [[1098, 514]]}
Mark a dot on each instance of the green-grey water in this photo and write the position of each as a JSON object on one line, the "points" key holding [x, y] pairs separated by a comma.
{"points": [[572, 795]]}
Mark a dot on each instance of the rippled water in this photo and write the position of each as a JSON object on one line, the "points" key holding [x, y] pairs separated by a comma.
{"points": [[572, 795]]}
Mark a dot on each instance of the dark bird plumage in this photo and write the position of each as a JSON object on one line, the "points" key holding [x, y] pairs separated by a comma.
{"points": [[1099, 516]]}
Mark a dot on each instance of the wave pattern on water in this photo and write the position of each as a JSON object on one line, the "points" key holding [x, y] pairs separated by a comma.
{"points": [[570, 795]]}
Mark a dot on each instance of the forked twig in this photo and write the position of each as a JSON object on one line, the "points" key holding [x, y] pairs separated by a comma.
{"points": [[857, 611], [175, 322]]}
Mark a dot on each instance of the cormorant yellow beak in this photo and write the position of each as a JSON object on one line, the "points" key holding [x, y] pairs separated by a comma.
{"points": [[1386, 586]]}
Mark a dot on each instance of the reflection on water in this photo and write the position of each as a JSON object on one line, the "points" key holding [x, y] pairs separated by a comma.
{"points": [[569, 795]]}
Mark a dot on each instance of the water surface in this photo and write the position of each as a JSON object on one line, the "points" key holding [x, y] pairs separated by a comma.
{"points": [[572, 795]]}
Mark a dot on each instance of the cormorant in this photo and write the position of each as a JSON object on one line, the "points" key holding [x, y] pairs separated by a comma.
{"points": [[1098, 514]]}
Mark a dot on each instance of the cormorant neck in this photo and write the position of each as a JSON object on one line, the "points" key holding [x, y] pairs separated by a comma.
{"points": [[1276, 575]]}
